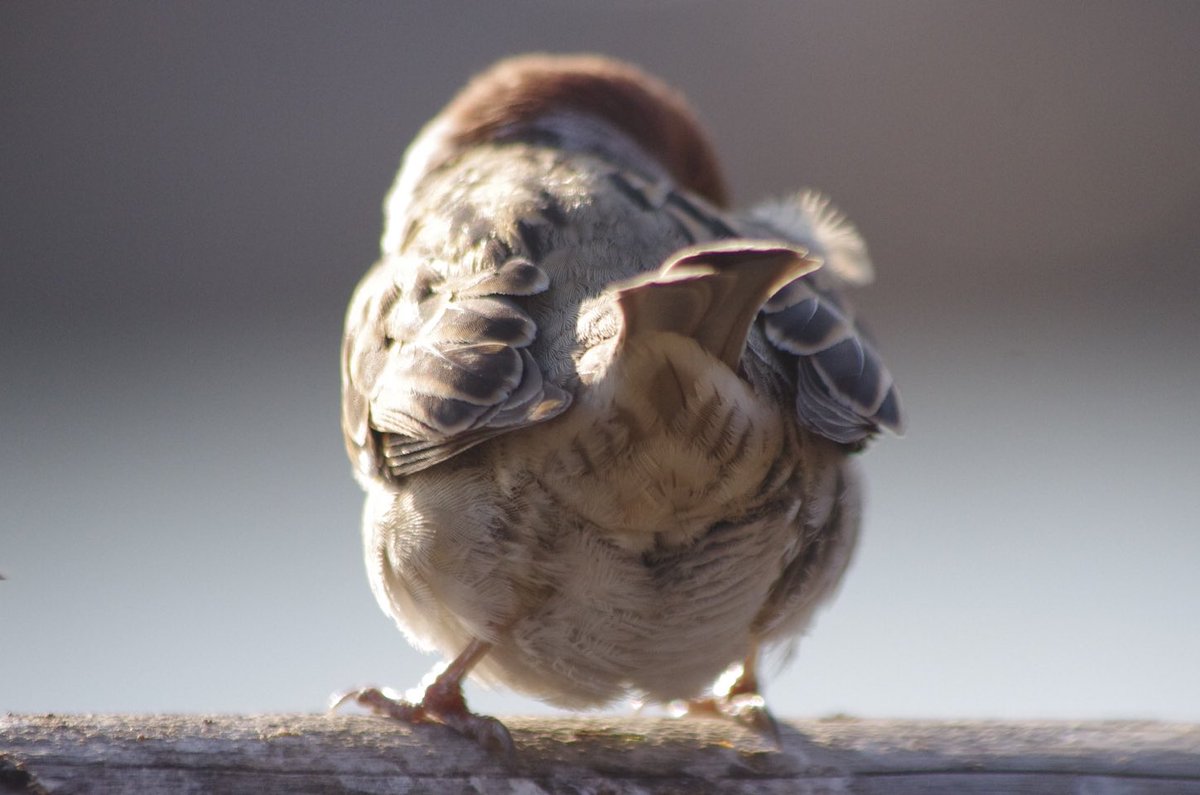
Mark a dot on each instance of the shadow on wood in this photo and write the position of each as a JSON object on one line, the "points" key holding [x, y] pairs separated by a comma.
{"points": [[334, 754]]}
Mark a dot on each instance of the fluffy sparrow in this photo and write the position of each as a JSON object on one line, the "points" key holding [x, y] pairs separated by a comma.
{"points": [[605, 424]]}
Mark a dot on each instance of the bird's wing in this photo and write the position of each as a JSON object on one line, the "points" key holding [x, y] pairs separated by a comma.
{"points": [[844, 390], [431, 367]]}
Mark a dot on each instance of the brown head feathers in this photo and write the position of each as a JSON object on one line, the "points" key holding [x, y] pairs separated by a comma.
{"points": [[518, 91]]}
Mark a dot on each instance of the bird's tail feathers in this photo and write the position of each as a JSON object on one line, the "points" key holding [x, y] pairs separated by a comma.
{"points": [[711, 293]]}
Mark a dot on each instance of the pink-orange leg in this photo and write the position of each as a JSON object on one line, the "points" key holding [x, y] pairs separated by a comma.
{"points": [[743, 702], [443, 703]]}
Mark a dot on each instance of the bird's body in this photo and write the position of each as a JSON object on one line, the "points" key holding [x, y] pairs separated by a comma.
{"points": [[604, 476]]}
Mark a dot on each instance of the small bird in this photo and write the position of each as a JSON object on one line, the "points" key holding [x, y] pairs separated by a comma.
{"points": [[605, 424]]}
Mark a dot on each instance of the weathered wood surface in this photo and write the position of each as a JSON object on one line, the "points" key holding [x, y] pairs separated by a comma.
{"points": [[335, 754]]}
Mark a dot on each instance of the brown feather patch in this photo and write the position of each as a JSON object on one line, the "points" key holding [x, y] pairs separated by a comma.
{"points": [[519, 90]]}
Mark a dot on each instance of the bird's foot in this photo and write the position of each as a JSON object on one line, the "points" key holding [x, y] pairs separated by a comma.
{"points": [[443, 703], [736, 696], [748, 709]]}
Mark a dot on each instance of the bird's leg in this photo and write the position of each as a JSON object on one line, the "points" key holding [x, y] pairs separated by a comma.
{"points": [[443, 702], [740, 700]]}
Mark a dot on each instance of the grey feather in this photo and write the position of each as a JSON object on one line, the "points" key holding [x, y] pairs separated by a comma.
{"points": [[443, 367], [844, 391]]}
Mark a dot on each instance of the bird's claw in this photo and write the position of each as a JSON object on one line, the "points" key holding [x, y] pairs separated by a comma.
{"points": [[438, 706], [379, 703], [487, 731], [749, 709]]}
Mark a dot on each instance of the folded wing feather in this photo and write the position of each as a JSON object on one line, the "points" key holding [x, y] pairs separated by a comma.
{"points": [[441, 369]]}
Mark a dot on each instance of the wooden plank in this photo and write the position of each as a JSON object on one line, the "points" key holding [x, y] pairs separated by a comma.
{"points": [[615, 755]]}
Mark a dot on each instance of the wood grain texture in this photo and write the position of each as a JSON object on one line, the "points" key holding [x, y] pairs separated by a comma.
{"points": [[594, 755]]}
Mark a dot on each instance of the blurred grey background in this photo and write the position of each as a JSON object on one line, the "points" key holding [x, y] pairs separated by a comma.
{"points": [[189, 192]]}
